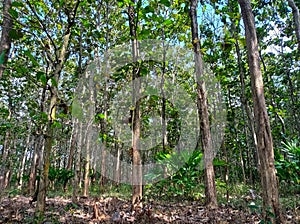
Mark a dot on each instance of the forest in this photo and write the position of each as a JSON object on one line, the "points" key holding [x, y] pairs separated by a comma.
{"points": [[134, 111]]}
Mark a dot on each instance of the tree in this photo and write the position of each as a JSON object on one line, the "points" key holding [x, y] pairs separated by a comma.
{"points": [[205, 135], [263, 130], [5, 42], [137, 178], [60, 57]]}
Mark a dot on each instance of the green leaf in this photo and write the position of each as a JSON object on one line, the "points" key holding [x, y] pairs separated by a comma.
{"points": [[53, 81], [15, 34], [30, 56], [13, 13], [155, 97], [2, 57], [56, 124], [41, 76], [165, 2], [102, 116], [219, 163], [149, 9], [168, 22], [17, 4]]}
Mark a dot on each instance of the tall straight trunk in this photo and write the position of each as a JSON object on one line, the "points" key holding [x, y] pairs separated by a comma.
{"points": [[77, 170], [206, 141], [117, 176], [137, 175], [22, 168], [5, 161], [89, 135], [5, 42], [38, 147], [296, 17], [263, 130], [71, 151], [104, 142], [87, 170]]}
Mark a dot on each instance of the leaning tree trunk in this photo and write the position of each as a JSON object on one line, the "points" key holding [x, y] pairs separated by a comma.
{"points": [[263, 130], [137, 178], [5, 43], [206, 141]]}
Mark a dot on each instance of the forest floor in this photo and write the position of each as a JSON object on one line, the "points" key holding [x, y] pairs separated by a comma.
{"points": [[18, 209]]}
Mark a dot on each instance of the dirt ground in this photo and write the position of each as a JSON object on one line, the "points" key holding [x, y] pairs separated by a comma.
{"points": [[18, 209]]}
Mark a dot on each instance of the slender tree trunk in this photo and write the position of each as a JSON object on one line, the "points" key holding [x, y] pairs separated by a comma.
{"points": [[104, 142], [263, 130], [206, 141], [137, 176], [87, 171], [89, 134], [5, 160], [117, 177], [245, 103], [296, 17], [22, 168], [5, 43], [77, 169], [35, 163], [71, 151]]}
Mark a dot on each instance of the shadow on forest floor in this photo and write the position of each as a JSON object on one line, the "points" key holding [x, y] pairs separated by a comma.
{"points": [[113, 210]]}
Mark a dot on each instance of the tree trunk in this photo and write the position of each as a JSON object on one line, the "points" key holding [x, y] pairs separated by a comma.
{"points": [[87, 171], [206, 141], [103, 164], [5, 43], [244, 101], [89, 134], [137, 178], [71, 152], [77, 170], [263, 130], [22, 168], [5, 160], [296, 17], [41, 198], [104, 141], [117, 177], [35, 163]]}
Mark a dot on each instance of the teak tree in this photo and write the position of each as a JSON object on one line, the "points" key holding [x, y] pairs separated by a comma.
{"points": [[5, 42], [263, 131], [205, 135], [60, 58], [137, 176]]}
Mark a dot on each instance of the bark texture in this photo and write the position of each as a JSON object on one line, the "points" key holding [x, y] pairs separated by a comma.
{"points": [[206, 141], [263, 130], [5, 43], [137, 178]]}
